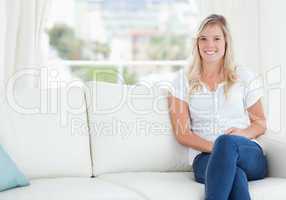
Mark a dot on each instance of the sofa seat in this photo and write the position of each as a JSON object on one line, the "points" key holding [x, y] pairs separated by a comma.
{"points": [[134, 186], [70, 189], [181, 186]]}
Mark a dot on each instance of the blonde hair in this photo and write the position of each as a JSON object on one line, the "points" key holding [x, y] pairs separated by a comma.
{"points": [[195, 69]]}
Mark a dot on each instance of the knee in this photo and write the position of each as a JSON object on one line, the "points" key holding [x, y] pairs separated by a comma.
{"points": [[225, 141]]}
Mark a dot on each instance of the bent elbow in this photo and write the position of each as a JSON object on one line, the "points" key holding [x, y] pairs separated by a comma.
{"points": [[264, 128]]}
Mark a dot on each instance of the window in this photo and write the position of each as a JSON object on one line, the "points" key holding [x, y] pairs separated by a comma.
{"points": [[99, 39]]}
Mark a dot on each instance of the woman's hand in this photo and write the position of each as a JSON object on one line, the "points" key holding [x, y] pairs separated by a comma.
{"points": [[237, 131]]}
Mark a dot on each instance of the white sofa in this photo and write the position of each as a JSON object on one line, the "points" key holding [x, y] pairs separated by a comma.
{"points": [[104, 141]]}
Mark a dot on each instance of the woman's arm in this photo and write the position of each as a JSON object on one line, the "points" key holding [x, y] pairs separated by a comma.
{"points": [[257, 119], [258, 123], [180, 119]]}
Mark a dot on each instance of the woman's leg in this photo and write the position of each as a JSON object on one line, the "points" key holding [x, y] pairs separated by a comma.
{"points": [[232, 155], [240, 186], [199, 167]]}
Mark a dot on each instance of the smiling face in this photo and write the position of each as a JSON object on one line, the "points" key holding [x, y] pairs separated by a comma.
{"points": [[211, 43]]}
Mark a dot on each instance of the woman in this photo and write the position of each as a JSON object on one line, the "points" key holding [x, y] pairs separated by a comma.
{"points": [[216, 111]]}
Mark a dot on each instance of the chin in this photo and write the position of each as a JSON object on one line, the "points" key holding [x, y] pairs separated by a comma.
{"points": [[211, 60]]}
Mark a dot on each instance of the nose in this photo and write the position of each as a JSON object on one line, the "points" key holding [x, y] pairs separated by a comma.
{"points": [[210, 43]]}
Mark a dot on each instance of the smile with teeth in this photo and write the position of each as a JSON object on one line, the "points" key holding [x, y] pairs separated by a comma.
{"points": [[210, 52]]}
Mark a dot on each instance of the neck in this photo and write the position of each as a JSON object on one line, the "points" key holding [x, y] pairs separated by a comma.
{"points": [[212, 69]]}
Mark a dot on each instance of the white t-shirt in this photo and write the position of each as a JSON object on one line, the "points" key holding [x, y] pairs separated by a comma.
{"points": [[211, 113]]}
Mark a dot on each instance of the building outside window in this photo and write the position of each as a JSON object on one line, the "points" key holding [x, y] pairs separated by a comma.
{"points": [[123, 41]]}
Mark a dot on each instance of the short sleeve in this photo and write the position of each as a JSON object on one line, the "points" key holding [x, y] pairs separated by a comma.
{"points": [[180, 86], [253, 90]]}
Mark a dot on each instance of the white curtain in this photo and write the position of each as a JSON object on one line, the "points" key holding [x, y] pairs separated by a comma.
{"points": [[21, 27], [2, 43]]}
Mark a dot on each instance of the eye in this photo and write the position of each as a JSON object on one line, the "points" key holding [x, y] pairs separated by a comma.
{"points": [[217, 38], [202, 38]]}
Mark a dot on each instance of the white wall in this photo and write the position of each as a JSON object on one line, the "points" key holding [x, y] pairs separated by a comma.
{"points": [[272, 58]]}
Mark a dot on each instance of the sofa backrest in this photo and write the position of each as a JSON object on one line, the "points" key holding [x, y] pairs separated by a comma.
{"points": [[45, 131], [131, 131]]}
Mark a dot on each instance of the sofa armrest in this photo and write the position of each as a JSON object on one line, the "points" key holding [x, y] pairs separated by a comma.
{"points": [[276, 156]]}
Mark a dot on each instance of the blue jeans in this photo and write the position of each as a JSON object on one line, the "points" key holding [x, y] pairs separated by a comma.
{"points": [[226, 170]]}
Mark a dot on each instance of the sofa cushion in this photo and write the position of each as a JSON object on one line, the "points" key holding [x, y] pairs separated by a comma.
{"points": [[45, 131], [273, 146], [10, 175], [181, 186], [131, 130], [159, 185], [70, 188]]}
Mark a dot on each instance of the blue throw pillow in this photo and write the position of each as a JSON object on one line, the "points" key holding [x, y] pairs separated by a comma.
{"points": [[10, 176]]}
